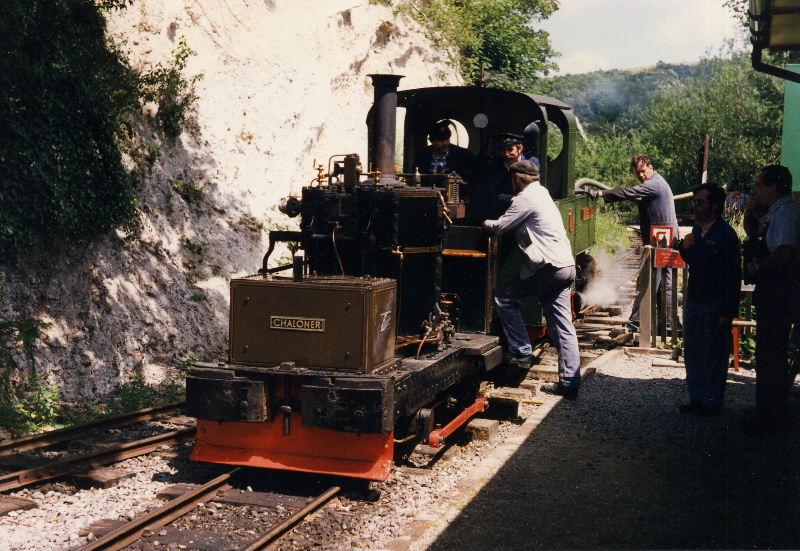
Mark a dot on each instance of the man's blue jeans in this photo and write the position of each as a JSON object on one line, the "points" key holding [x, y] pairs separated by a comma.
{"points": [[552, 286], [707, 347]]}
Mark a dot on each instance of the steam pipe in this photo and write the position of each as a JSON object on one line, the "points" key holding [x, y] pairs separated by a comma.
{"points": [[384, 122], [582, 182]]}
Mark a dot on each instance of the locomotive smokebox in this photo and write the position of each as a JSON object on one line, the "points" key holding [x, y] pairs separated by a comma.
{"points": [[383, 123]]}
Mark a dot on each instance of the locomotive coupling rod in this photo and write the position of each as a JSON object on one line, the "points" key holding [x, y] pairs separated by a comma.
{"points": [[436, 438], [288, 523]]}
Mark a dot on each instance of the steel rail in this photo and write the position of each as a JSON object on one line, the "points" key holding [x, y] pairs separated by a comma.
{"points": [[290, 522], [104, 456], [173, 509], [36, 441]]}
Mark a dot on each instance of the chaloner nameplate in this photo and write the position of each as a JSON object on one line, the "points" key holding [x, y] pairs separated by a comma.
{"points": [[288, 323]]}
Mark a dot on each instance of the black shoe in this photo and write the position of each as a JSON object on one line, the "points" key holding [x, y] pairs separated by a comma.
{"points": [[520, 362], [632, 326], [691, 407], [708, 411], [570, 393]]}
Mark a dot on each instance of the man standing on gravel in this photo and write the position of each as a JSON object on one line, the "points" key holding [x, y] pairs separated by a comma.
{"points": [[547, 273], [714, 257], [774, 218], [656, 208]]}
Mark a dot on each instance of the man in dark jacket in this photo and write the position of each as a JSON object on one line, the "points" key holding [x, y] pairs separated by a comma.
{"points": [[714, 257], [495, 190], [656, 208], [442, 157]]}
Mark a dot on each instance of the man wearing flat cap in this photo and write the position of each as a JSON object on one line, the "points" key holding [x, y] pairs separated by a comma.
{"points": [[547, 273], [442, 157], [494, 194]]}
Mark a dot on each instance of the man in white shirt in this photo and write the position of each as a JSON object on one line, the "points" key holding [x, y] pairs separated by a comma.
{"points": [[547, 273], [774, 217]]}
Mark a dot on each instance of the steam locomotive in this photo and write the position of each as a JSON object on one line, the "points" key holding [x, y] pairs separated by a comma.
{"points": [[384, 330]]}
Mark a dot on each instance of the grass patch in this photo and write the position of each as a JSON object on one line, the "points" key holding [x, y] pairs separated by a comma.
{"points": [[611, 234], [190, 191], [37, 406]]}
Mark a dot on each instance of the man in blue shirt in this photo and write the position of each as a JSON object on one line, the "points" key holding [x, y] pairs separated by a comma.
{"points": [[656, 208], [547, 273], [774, 217], [715, 276]]}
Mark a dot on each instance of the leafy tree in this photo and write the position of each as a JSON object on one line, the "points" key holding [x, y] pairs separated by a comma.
{"points": [[740, 108], [496, 33], [613, 101]]}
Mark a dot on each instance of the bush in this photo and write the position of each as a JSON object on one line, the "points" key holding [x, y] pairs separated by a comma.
{"points": [[68, 100]]}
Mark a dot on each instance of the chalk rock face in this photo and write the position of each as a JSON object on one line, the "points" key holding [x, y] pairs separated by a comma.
{"points": [[284, 83]]}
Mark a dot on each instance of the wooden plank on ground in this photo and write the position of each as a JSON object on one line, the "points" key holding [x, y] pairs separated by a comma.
{"points": [[101, 477], [11, 503], [102, 527]]}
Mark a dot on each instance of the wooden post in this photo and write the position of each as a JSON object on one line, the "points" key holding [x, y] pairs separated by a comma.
{"points": [[674, 301], [646, 305], [662, 305]]}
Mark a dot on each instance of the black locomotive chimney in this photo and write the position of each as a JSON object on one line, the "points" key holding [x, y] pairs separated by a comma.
{"points": [[384, 122]]}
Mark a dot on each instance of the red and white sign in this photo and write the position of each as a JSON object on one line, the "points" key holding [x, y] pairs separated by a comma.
{"points": [[668, 258]]}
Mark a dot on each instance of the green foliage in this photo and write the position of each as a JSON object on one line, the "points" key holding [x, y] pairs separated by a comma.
{"points": [[189, 190], [138, 393], [23, 330], [606, 157], [189, 362], [611, 235], [671, 108], [33, 405], [614, 101], [167, 86], [62, 104], [740, 108], [496, 33], [67, 106]]}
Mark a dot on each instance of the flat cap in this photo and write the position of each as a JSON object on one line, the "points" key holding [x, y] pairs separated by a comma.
{"points": [[524, 167], [506, 138], [440, 130]]}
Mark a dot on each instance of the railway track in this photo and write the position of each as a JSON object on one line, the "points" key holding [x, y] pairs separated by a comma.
{"points": [[16, 449], [60, 436], [104, 456], [174, 519], [149, 523]]}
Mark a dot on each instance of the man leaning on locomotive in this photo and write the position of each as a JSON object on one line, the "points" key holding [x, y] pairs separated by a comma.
{"points": [[547, 273]]}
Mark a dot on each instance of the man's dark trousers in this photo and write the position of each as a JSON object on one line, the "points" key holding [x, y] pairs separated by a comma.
{"points": [[707, 346], [776, 301]]}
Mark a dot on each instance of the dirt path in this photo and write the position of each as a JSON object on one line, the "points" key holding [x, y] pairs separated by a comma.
{"points": [[621, 468]]}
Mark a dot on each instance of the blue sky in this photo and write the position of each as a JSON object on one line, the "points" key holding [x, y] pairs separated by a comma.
{"points": [[623, 34]]}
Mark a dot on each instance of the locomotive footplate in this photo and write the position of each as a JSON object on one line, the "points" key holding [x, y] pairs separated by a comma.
{"points": [[323, 421], [348, 402]]}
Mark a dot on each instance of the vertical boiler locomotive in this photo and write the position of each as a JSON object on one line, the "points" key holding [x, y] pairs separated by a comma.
{"points": [[382, 333]]}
